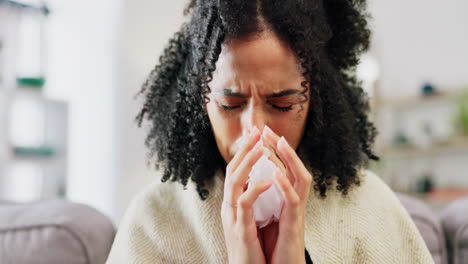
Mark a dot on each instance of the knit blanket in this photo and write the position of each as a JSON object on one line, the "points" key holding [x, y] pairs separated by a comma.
{"points": [[167, 224]]}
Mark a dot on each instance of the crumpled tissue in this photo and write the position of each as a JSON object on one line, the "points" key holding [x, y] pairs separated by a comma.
{"points": [[267, 207]]}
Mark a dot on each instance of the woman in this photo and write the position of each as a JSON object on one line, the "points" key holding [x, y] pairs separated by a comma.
{"points": [[240, 70]]}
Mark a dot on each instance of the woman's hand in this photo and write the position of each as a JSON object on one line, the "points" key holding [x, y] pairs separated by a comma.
{"points": [[284, 241], [240, 231]]}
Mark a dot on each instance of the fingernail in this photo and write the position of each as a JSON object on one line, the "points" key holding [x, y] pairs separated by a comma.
{"points": [[282, 139], [257, 146], [266, 129]]}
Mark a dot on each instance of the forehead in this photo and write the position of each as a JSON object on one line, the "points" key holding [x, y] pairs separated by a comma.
{"points": [[262, 61]]}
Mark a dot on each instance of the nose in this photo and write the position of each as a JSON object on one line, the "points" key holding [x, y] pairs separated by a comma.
{"points": [[253, 116]]}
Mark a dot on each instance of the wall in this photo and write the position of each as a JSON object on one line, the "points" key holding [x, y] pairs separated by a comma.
{"points": [[420, 40], [147, 26], [82, 48]]}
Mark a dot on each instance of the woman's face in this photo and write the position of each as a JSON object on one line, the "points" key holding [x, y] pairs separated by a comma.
{"points": [[257, 82]]}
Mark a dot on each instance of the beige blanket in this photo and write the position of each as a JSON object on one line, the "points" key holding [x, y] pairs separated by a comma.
{"points": [[166, 224]]}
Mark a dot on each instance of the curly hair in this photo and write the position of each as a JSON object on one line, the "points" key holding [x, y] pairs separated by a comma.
{"points": [[327, 37]]}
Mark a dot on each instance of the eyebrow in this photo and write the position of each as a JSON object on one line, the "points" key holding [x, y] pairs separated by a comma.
{"points": [[229, 92]]}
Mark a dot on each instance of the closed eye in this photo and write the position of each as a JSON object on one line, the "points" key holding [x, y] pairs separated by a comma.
{"points": [[228, 107], [283, 108], [277, 107]]}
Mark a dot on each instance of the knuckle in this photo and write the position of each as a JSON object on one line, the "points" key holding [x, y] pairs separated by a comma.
{"points": [[243, 203], [256, 186], [244, 236], [294, 202], [236, 182], [308, 179]]}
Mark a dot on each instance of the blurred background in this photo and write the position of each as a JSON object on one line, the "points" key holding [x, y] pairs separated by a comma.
{"points": [[69, 71]]}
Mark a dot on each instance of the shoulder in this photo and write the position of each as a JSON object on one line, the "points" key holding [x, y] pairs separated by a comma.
{"points": [[143, 233], [371, 194], [376, 198], [382, 217], [153, 202], [372, 187], [372, 207]]}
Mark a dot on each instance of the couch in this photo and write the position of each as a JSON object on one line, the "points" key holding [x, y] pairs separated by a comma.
{"points": [[53, 232], [59, 232]]}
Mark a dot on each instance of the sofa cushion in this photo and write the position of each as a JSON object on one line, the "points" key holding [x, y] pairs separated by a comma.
{"points": [[53, 232], [454, 220], [428, 225]]}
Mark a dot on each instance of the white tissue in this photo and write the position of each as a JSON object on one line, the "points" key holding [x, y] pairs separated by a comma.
{"points": [[267, 207]]}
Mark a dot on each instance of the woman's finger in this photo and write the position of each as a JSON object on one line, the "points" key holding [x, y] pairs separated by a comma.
{"points": [[230, 192], [294, 164], [291, 199], [277, 161], [246, 200], [249, 143], [234, 186], [288, 155], [270, 137]]}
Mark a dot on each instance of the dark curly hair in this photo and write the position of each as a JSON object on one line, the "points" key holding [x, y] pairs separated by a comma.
{"points": [[327, 37]]}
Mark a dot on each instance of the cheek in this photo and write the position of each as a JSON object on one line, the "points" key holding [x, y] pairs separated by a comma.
{"points": [[291, 126], [225, 130]]}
